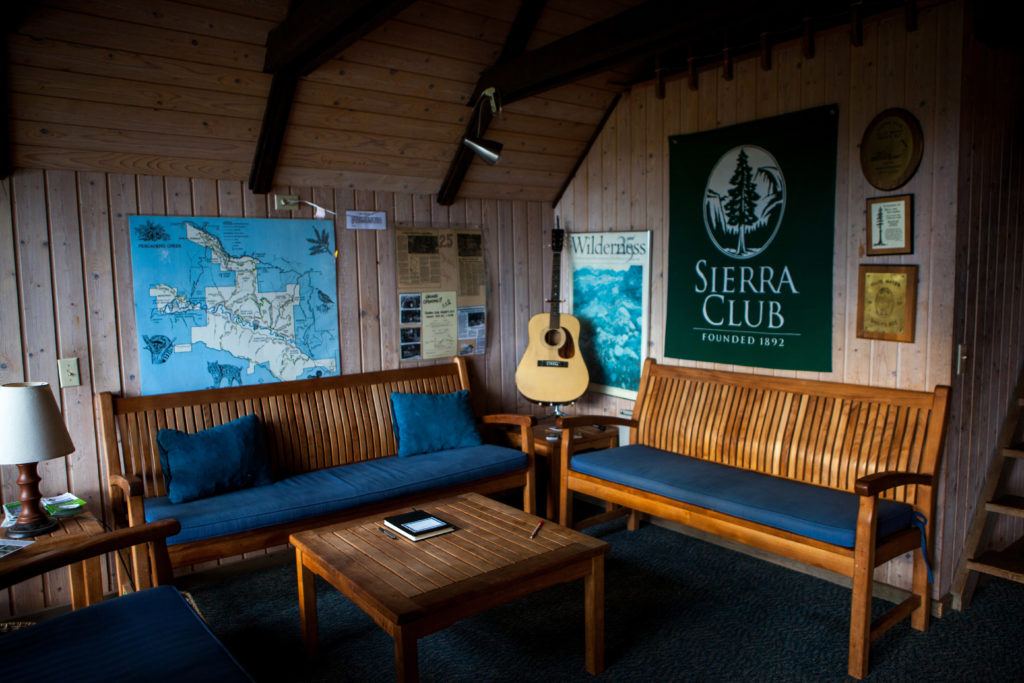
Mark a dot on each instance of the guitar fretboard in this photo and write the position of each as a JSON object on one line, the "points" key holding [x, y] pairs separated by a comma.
{"points": [[556, 277]]}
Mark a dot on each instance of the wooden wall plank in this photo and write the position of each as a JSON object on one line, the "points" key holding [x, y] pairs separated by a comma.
{"points": [[11, 352]]}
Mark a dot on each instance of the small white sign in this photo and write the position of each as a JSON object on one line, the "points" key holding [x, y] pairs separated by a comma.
{"points": [[366, 220]]}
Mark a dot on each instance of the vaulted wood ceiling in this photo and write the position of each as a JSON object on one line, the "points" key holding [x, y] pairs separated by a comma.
{"points": [[185, 87], [174, 87]]}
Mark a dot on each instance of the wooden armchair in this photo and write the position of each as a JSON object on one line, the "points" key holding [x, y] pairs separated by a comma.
{"points": [[153, 634]]}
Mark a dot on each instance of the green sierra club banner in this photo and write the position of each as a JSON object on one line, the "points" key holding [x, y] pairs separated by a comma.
{"points": [[750, 242]]}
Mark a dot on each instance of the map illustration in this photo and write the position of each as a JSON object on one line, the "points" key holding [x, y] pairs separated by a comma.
{"points": [[233, 301]]}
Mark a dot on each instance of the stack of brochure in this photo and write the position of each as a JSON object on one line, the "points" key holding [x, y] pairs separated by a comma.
{"points": [[64, 505]]}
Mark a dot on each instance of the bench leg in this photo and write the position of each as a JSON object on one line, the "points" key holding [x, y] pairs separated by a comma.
{"points": [[633, 522], [920, 617], [863, 579]]}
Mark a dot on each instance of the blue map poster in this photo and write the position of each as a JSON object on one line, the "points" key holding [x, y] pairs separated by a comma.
{"points": [[233, 301], [610, 292]]}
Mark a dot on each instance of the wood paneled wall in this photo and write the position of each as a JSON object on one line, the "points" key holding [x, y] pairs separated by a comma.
{"points": [[989, 319], [65, 290], [624, 185]]}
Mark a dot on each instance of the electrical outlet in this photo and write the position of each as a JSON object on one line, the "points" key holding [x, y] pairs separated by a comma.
{"points": [[286, 202], [67, 369]]}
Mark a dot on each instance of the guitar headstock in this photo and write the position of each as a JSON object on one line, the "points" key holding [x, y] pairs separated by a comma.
{"points": [[557, 235]]}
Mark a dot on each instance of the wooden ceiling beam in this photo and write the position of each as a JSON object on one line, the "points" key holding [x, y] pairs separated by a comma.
{"points": [[480, 119], [666, 27], [13, 16], [643, 30], [314, 32], [318, 30]]}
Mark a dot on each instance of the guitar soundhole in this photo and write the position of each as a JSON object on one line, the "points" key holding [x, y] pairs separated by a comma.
{"points": [[559, 338]]}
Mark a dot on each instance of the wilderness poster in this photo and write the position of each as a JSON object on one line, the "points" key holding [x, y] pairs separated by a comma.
{"points": [[751, 223], [610, 290]]}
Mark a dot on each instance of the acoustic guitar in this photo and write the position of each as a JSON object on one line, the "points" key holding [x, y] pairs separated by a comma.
{"points": [[552, 369]]}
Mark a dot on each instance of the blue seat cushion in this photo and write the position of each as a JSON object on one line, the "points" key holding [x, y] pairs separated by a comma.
{"points": [[152, 635], [812, 511], [331, 490]]}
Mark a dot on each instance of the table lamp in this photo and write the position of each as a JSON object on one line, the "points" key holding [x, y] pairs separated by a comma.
{"points": [[31, 430]]}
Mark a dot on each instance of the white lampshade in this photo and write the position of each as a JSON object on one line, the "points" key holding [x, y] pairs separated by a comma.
{"points": [[31, 426]]}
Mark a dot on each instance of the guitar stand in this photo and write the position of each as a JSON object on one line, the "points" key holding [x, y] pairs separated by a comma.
{"points": [[554, 433]]}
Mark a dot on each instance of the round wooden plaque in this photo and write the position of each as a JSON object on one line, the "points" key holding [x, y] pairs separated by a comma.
{"points": [[891, 148]]}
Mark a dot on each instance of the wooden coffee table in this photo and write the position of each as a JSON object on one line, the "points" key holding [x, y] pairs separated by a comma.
{"points": [[414, 589]]}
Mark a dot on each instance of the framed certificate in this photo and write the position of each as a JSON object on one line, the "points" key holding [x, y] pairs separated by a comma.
{"points": [[890, 224], [886, 302]]}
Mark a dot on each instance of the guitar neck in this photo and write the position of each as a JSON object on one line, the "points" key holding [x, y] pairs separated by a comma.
{"points": [[555, 300]]}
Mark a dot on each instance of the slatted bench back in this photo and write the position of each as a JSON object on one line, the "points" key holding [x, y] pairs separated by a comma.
{"points": [[309, 424], [822, 433]]}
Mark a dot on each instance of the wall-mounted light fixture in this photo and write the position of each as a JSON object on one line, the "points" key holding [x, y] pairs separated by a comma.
{"points": [[488, 150]]}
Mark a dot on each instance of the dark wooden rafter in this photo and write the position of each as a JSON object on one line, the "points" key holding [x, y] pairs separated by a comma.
{"points": [[857, 24], [6, 163], [13, 15], [766, 52], [684, 38], [314, 32], [480, 118], [807, 40]]}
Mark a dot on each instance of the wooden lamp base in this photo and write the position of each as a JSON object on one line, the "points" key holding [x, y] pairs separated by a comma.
{"points": [[33, 520]]}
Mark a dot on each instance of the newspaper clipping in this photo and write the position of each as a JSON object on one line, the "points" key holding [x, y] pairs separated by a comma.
{"points": [[442, 286]]}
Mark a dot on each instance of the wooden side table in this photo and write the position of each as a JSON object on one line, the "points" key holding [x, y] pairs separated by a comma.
{"points": [[86, 577], [547, 441]]}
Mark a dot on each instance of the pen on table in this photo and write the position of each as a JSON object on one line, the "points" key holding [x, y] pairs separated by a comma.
{"points": [[387, 533], [537, 529]]}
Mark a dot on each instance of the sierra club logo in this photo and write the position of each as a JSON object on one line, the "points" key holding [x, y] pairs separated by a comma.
{"points": [[744, 201]]}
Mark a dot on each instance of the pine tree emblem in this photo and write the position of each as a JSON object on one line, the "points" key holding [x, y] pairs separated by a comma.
{"points": [[744, 201]]}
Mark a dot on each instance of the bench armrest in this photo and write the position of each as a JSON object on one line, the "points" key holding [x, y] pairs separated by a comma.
{"points": [[571, 421], [525, 424], [873, 484], [509, 419], [129, 487], [132, 492], [25, 566]]}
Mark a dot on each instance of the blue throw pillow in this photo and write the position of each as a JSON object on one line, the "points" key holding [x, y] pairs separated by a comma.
{"points": [[425, 423], [225, 458]]}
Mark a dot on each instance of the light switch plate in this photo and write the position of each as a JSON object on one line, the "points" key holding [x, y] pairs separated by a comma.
{"points": [[67, 368]]}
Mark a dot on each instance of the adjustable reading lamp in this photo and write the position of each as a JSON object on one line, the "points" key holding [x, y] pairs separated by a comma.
{"points": [[31, 430]]}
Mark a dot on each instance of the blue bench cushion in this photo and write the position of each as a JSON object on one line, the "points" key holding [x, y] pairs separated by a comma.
{"points": [[812, 511], [331, 490], [152, 635]]}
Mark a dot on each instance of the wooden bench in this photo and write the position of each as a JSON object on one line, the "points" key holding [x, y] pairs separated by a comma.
{"points": [[309, 425], [812, 438]]}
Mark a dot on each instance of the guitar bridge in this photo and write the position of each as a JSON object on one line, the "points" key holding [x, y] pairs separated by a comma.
{"points": [[552, 364]]}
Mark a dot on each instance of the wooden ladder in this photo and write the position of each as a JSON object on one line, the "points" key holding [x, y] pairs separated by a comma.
{"points": [[994, 500]]}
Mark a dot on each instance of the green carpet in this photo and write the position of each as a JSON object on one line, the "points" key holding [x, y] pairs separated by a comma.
{"points": [[676, 609]]}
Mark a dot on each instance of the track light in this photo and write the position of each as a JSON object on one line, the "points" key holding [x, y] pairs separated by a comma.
{"points": [[488, 150]]}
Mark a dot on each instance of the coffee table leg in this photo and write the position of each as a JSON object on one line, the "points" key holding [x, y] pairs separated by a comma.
{"points": [[407, 661], [307, 606], [593, 585]]}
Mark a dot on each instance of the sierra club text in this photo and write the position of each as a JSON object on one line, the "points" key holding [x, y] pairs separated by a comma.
{"points": [[721, 310]]}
